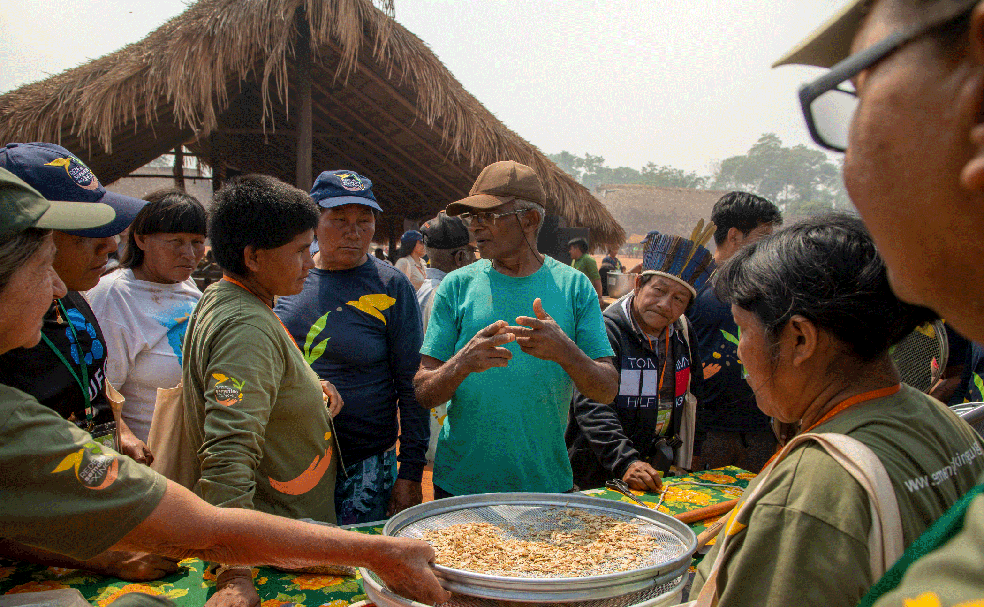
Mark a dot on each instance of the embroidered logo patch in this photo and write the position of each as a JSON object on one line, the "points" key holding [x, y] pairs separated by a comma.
{"points": [[229, 390], [77, 170], [94, 468], [351, 182]]}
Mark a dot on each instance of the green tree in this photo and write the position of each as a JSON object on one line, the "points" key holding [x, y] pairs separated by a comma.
{"points": [[783, 174], [670, 177]]}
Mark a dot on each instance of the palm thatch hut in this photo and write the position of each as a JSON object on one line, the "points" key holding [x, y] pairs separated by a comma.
{"points": [[289, 88], [642, 208]]}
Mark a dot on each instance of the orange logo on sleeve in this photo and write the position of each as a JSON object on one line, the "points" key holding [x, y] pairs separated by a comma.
{"points": [[94, 469], [230, 394]]}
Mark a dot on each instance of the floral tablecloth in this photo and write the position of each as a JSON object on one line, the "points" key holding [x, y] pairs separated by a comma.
{"points": [[194, 585]]}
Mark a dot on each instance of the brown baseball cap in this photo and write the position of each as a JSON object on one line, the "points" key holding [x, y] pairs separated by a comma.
{"points": [[499, 183], [831, 42]]}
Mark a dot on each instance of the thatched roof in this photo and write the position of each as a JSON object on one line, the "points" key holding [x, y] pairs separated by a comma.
{"points": [[642, 208], [222, 76]]}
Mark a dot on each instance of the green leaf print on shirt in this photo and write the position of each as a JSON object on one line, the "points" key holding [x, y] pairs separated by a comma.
{"points": [[311, 355], [729, 337]]}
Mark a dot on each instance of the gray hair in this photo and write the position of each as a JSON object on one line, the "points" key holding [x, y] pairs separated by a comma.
{"points": [[16, 249], [529, 204]]}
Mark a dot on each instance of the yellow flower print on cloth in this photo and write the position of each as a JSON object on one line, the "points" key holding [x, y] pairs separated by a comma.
{"points": [[228, 390], [930, 599]]}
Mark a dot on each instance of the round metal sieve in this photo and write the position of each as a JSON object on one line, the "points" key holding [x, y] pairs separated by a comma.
{"points": [[527, 515], [660, 595]]}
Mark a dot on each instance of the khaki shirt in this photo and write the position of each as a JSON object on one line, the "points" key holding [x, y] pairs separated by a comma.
{"points": [[59, 490], [806, 540], [257, 411]]}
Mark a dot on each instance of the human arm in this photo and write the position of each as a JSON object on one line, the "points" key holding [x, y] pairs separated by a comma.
{"points": [[436, 381], [183, 526], [126, 565], [241, 382], [596, 283], [603, 431], [542, 337], [404, 336], [133, 447]]}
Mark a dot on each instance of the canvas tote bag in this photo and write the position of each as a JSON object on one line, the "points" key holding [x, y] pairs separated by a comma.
{"points": [[885, 543], [174, 455]]}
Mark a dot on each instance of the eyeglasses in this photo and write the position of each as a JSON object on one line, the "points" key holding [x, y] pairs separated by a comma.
{"points": [[486, 218], [829, 107]]}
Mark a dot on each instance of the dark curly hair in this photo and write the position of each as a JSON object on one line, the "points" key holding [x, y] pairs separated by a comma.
{"points": [[825, 268], [258, 211]]}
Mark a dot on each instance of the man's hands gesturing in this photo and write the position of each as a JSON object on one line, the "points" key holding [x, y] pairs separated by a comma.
{"points": [[541, 336], [483, 351]]}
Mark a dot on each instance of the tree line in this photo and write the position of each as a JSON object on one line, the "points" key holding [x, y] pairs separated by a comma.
{"points": [[801, 179]]}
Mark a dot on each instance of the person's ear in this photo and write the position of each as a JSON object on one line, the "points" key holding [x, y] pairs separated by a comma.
{"points": [[251, 257], [971, 101], [141, 241], [734, 238], [801, 339]]}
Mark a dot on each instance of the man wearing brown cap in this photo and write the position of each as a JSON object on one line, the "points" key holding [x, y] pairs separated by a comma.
{"points": [[903, 97], [508, 339]]}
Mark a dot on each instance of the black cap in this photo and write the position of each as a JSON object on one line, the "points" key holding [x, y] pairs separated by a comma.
{"points": [[445, 232]]}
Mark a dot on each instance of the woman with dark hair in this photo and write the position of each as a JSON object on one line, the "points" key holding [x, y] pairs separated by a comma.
{"points": [[143, 307], [410, 259], [62, 492], [817, 318]]}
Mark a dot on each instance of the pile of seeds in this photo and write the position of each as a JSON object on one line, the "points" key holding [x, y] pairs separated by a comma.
{"points": [[563, 543]]}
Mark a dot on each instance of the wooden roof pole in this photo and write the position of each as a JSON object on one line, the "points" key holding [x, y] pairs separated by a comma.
{"points": [[178, 170], [303, 176]]}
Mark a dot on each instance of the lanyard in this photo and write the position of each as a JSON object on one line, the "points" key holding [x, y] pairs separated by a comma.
{"points": [[248, 290], [83, 382], [666, 358], [850, 402]]}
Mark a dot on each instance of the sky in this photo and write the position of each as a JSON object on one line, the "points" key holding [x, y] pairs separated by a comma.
{"points": [[684, 83]]}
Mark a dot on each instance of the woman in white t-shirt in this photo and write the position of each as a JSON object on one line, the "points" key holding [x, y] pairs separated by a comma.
{"points": [[143, 307], [411, 261]]}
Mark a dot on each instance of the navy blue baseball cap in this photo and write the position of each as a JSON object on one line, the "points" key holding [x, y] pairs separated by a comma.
{"points": [[335, 188], [59, 175]]}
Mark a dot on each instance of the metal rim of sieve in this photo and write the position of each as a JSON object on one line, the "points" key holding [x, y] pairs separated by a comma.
{"points": [[657, 595], [442, 513]]}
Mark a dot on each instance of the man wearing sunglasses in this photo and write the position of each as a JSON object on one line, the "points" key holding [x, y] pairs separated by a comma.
{"points": [[508, 338], [904, 98]]}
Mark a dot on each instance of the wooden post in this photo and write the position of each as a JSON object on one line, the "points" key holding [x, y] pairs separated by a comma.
{"points": [[178, 170], [303, 175]]}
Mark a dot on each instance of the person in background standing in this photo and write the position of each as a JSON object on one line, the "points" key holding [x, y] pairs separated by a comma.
{"points": [[411, 258], [144, 306], [449, 248], [581, 261], [612, 259], [358, 325], [732, 430]]}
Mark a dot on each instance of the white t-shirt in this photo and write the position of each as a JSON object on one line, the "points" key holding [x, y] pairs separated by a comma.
{"points": [[144, 325], [415, 270]]}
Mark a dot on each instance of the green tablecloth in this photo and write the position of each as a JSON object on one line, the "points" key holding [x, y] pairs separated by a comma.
{"points": [[277, 589]]}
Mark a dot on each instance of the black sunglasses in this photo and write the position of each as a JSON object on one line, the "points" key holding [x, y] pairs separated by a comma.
{"points": [[829, 108]]}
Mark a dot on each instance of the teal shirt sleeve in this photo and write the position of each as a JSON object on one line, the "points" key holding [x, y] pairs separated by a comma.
{"points": [[443, 326], [241, 386], [590, 334]]}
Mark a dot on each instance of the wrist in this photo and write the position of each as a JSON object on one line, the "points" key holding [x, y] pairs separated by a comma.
{"points": [[232, 574]]}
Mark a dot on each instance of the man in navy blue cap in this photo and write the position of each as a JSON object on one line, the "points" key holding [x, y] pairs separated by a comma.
{"points": [[358, 324]]}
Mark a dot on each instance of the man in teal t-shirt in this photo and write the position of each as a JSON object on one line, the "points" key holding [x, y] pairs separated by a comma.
{"points": [[508, 339]]}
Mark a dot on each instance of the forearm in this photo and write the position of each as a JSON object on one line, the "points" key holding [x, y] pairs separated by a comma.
{"points": [[435, 386], [595, 379], [414, 437], [184, 526]]}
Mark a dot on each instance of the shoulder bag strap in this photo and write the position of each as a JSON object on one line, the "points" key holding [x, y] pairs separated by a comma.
{"points": [[885, 543]]}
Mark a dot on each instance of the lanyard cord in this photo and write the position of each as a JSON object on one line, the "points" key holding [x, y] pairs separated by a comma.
{"points": [[84, 381], [666, 359], [850, 402], [248, 290]]}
